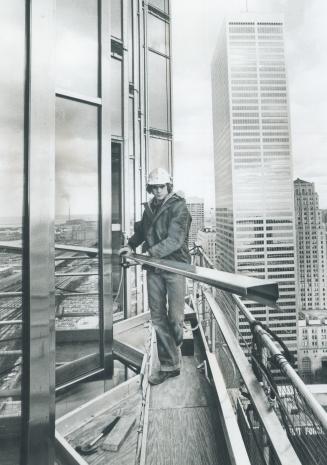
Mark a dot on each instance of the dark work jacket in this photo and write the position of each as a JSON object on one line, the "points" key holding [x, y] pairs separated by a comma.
{"points": [[164, 234]]}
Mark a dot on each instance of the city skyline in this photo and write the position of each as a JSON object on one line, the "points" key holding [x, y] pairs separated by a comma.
{"points": [[307, 66]]}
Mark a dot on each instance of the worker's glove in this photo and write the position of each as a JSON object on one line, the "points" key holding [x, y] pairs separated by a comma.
{"points": [[125, 251]]}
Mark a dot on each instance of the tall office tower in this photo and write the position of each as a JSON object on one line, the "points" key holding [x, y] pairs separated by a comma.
{"points": [[253, 167], [207, 239], [196, 208], [311, 247]]}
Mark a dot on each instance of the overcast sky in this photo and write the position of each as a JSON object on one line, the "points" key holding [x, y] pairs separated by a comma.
{"points": [[195, 28]]}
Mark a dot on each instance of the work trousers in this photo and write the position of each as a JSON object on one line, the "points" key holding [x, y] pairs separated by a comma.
{"points": [[167, 288]]}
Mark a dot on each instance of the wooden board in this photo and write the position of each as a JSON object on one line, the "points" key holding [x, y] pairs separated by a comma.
{"points": [[186, 436], [189, 389], [127, 451], [118, 435]]}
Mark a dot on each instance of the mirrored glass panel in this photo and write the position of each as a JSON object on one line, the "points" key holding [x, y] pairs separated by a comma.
{"points": [[12, 24], [77, 280], [130, 33], [131, 127], [117, 239], [158, 34], [77, 46], [160, 4], [131, 187], [159, 153], [158, 89], [116, 18], [116, 98]]}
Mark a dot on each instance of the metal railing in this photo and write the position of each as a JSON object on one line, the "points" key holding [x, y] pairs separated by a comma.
{"points": [[280, 420], [285, 395]]}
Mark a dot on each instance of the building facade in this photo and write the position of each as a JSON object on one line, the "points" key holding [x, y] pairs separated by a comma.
{"points": [[196, 208], [311, 247], [85, 114], [312, 343], [207, 239], [253, 166]]}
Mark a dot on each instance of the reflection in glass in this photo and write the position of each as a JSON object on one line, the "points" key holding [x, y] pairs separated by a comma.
{"points": [[116, 18], [131, 127], [12, 23], [131, 186], [116, 97], [116, 182], [130, 42], [77, 46], [77, 281], [158, 37], [159, 153], [158, 86], [161, 4]]}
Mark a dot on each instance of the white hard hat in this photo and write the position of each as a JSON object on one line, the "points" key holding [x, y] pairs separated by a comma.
{"points": [[159, 176]]}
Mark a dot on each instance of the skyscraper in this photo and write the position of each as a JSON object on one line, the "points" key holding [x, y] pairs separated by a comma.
{"points": [[253, 168], [196, 208], [311, 247]]}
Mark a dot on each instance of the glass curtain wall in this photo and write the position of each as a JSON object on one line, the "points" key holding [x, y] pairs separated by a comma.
{"points": [[12, 19], [159, 145], [77, 194]]}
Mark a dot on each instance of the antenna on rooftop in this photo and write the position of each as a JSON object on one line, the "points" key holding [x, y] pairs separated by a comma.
{"points": [[246, 6]]}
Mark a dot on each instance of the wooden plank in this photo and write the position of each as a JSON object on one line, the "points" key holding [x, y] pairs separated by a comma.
{"points": [[189, 389], [128, 353], [186, 436], [236, 447], [126, 454], [188, 340], [130, 323], [66, 454], [82, 415], [117, 436]]}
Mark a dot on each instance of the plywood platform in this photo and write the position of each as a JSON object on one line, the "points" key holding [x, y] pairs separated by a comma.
{"points": [[183, 423], [180, 422]]}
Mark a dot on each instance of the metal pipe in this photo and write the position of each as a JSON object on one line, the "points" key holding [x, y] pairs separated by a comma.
{"points": [[11, 352], [63, 275], [10, 294], [285, 366], [260, 290], [10, 322]]}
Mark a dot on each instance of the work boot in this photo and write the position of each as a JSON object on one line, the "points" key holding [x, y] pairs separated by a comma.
{"points": [[161, 376]]}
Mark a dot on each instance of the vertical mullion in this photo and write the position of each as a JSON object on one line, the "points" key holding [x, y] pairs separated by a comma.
{"points": [[125, 147], [105, 210], [39, 358]]}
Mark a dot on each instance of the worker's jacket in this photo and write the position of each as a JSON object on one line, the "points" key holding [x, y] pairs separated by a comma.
{"points": [[164, 234]]}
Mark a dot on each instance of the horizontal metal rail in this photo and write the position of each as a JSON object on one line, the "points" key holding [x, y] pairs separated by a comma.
{"points": [[260, 290], [76, 294], [4, 295], [63, 275], [74, 257], [11, 352], [10, 322]]}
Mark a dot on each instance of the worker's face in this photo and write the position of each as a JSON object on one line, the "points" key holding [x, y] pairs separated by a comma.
{"points": [[160, 191]]}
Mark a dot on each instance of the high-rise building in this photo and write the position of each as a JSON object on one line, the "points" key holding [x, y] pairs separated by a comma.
{"points": [[311, 247], [207, 239], [196, 208], [312, 342], [253, 167]]}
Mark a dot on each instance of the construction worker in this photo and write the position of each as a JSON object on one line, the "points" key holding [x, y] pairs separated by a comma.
{"points": [[163, 231]]}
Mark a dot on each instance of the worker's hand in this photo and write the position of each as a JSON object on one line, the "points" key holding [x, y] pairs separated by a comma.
{"points": [[126, 250]]}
